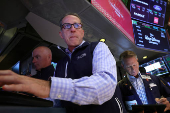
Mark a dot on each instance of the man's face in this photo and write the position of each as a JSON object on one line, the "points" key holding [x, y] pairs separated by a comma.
{"points": [[131, 65], [40, 58], [73, 37]]}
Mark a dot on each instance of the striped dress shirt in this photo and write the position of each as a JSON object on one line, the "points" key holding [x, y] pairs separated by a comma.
{"points": [[139, 87], [96, 89]]}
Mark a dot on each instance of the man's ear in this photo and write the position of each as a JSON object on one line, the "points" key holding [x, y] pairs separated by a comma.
{"points": [[60, 33]]}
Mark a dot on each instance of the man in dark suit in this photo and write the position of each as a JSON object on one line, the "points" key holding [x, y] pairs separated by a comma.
{"points": [[138, 88], [41, 58]]}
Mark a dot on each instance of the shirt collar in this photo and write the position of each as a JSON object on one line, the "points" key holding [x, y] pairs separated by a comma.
{"points": [[132, 77], [68, 51]]}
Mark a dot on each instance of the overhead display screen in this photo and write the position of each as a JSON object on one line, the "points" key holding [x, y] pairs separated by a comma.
{"points": [[150, 37], [155, 67], [118, 14], [150, 11]]}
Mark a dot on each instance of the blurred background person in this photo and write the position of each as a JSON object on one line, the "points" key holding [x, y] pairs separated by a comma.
{"points": [[42, 57], [139, 88]]}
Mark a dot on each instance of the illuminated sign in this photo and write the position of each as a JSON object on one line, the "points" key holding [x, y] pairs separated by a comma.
{"points": [[150, 37], [149, 11], [117, 13]]}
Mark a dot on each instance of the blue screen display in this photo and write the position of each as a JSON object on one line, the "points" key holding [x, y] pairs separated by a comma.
{"points": [[150, 11], [155, 67], [150, 37], [54, 64]]}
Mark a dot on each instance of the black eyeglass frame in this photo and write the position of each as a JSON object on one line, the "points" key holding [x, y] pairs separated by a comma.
{"points": [[81, 25]]}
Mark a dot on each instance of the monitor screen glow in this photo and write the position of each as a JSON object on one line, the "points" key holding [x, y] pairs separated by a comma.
{"points": [[150, 37], [166, 59], [150, 11], [155, 67], [16, 68], [54, 64]]}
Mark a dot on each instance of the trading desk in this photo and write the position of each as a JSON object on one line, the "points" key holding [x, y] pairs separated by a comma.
{"points": [[21, 109], [12, 102]]}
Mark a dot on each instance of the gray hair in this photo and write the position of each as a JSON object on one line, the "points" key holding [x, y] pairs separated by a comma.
{"points": [[127, 54]]}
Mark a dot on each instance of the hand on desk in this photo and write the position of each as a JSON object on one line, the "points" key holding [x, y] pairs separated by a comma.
{"points": [[163, 101], [11, 81]]}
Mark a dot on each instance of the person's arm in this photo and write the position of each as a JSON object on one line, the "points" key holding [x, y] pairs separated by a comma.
{"points": [[163, 101], [11, 81], [165, 92], [164, 88], [96, 89]]}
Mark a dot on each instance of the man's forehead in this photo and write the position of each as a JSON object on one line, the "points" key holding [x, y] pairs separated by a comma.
{"points": [[130, 60], [36, 55], [70, 18]]}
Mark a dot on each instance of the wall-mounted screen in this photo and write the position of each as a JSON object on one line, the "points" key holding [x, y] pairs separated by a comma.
{"points": [[166, 59], [155, 67], [151, 11], [150, 37], [118, 14]]}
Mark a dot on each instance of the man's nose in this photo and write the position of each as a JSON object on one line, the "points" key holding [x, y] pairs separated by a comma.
{"points": [[72, 28], [132, 68]]}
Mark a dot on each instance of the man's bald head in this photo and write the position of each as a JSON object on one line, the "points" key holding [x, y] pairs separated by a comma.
{"points": [[42, 57]]}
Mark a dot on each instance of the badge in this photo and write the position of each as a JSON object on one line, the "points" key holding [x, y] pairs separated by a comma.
{"points": [[152, 85], [145, 77]]}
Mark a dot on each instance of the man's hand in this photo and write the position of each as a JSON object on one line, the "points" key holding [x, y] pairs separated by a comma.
{"points": [[11, 81], [163, 101]]}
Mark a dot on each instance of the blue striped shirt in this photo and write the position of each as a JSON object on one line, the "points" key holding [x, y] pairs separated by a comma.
{"points": [[96, 89], [139, 87]]}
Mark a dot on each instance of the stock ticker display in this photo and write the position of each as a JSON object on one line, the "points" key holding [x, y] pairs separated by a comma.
{"points": [[150, 37], [155, 67], [149, 11]]}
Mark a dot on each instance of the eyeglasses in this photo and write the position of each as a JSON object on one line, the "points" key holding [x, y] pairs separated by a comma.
{"points": [[68, 25]]}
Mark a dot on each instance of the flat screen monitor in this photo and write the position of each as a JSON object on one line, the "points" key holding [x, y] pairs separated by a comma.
{"points": [[150, 37], [117, 13], [166, 59], [16, 68], [155, 67], [150, 11]]}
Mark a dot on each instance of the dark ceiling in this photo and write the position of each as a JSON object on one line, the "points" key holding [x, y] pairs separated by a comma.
{"points": [[17, 44]]}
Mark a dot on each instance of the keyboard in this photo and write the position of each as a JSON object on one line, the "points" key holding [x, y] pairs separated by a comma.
{"points": [[19, 99]]}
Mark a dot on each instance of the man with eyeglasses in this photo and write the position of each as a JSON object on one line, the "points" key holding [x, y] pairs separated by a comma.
{"points": [[141, 89], [85, 80]]}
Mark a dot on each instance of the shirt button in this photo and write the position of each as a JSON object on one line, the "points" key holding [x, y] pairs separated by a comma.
{"points": [[59, 96]]}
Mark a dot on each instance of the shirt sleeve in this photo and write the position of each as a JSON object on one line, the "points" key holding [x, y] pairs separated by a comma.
{"points": [[96, 89]]}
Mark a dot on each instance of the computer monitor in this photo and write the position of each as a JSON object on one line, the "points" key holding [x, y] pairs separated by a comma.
{"points": [[166, 59], [149, 11], [155, 67], [150, 37]]}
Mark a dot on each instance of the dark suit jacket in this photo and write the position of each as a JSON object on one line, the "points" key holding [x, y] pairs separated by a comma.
{"points": [[152, 92]]}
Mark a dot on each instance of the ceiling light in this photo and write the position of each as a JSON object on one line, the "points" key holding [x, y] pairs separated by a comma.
{"points": [[102, 40], [144, 57]]}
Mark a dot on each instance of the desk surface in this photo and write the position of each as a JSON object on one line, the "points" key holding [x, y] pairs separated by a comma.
{"points": [[21, 109]]}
